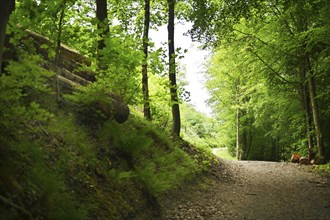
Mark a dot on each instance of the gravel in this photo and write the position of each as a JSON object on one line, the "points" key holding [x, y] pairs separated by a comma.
{"points": [[253, 190]]}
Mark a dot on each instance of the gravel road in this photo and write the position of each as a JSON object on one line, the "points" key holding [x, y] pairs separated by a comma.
{"points": [[254, 190]]}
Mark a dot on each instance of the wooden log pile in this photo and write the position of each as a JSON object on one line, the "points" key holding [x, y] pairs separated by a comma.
{"points": [[312, 159], [70, 61], [71, 71]]}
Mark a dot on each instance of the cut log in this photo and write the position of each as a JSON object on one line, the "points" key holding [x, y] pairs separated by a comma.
{"points": [[69, 53], [69, 59], [67, 83], [67, 74], [295, 158], [316, 161], [304, 161], [120, 110]]}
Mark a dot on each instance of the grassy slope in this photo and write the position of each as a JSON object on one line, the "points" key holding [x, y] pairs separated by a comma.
{"points": [[224, 154], [66, 170]]}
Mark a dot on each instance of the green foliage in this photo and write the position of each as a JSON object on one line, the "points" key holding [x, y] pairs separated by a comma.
{"points": [[40, 187], [254, 76], [26, 174], [223, 153], [157, 161], [198, 128], [122, 62], [325, 168], [168, 171], [54, 167], [19, 87]]}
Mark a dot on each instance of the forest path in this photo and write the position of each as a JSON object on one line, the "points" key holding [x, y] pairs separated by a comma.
{"points": [[254, 190]]}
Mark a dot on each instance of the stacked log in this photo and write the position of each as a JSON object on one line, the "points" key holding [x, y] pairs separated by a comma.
{"points": [[70, 70], [69, 60], [304, 161], [296, 158]]}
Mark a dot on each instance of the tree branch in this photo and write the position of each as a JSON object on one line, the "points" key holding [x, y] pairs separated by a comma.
{"points": [[272, 69]]}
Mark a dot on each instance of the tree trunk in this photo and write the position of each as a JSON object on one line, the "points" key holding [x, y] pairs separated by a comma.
{"points": [[58, 48], [238, 144], [6, 7], [308, 117], [245, 140], [145, 39], [315, 108], [238, 120], [303, 26], [102, 23], [316, 116], [306, 103], [176, 125]]}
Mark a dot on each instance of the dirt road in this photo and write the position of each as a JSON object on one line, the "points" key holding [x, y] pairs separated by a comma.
{"points": [[254, 190]]}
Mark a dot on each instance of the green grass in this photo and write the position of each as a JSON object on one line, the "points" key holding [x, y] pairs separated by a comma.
{"points": [[325, 168], [224, 154]]}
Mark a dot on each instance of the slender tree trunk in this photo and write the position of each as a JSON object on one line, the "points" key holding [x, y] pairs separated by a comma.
{"points": [[306, 107], [315, 108], [58, 48], [249, 145], [316, 116], [238, 143], [238, 120], [245, 144], [145, 86], [304, 68], [176, 125], [102, 23], [6, 7]]}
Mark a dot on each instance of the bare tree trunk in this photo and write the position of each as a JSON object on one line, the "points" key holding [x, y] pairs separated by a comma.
{"points": [[306, 103], [145, 86], [315, 108], [58, 48], [6, 7], [238, 120], [176, 125], [316, 117], [308, 117], [238, 143], [102, 23], [244, 142]]}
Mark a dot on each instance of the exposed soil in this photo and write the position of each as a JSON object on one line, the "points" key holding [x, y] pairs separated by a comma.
{"points": [[254, 190]]}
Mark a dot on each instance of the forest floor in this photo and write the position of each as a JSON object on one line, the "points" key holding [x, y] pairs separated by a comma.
{"points": [[253, 190]]}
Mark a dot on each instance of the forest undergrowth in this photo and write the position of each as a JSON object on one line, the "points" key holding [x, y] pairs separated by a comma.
{"points": [[65, 157], [54, 165]]}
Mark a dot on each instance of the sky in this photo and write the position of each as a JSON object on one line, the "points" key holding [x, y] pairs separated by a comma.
{"points": [[193, 63]]}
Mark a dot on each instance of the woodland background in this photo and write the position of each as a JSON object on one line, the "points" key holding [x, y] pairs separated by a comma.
{"points": [[268, 79]]}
